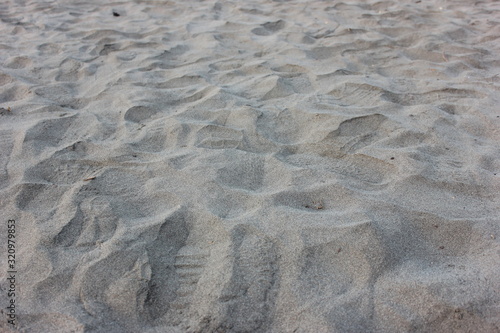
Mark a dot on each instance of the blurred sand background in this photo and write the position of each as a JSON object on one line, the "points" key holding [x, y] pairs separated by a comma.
{"points": [[251, 166]]}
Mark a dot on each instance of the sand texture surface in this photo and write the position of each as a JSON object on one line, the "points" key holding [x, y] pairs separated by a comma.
{"points": [[251, 166]]}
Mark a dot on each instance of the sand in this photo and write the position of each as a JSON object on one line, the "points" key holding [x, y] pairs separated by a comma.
{"points": [[251, 166]]}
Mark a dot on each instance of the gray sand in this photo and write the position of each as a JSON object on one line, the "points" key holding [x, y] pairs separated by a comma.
{"points": [[251, 166]]}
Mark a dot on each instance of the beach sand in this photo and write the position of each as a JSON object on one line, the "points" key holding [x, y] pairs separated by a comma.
{"points": [[251, 166]]}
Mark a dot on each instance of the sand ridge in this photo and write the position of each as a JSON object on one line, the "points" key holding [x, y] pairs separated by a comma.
{"points": [[252, 166]]}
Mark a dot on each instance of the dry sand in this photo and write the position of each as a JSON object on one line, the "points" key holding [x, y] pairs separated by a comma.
{"points": [[251, 166]]}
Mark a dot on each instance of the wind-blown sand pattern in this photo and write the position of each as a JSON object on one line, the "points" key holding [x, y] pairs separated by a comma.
{"points": [[252, 166]]}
